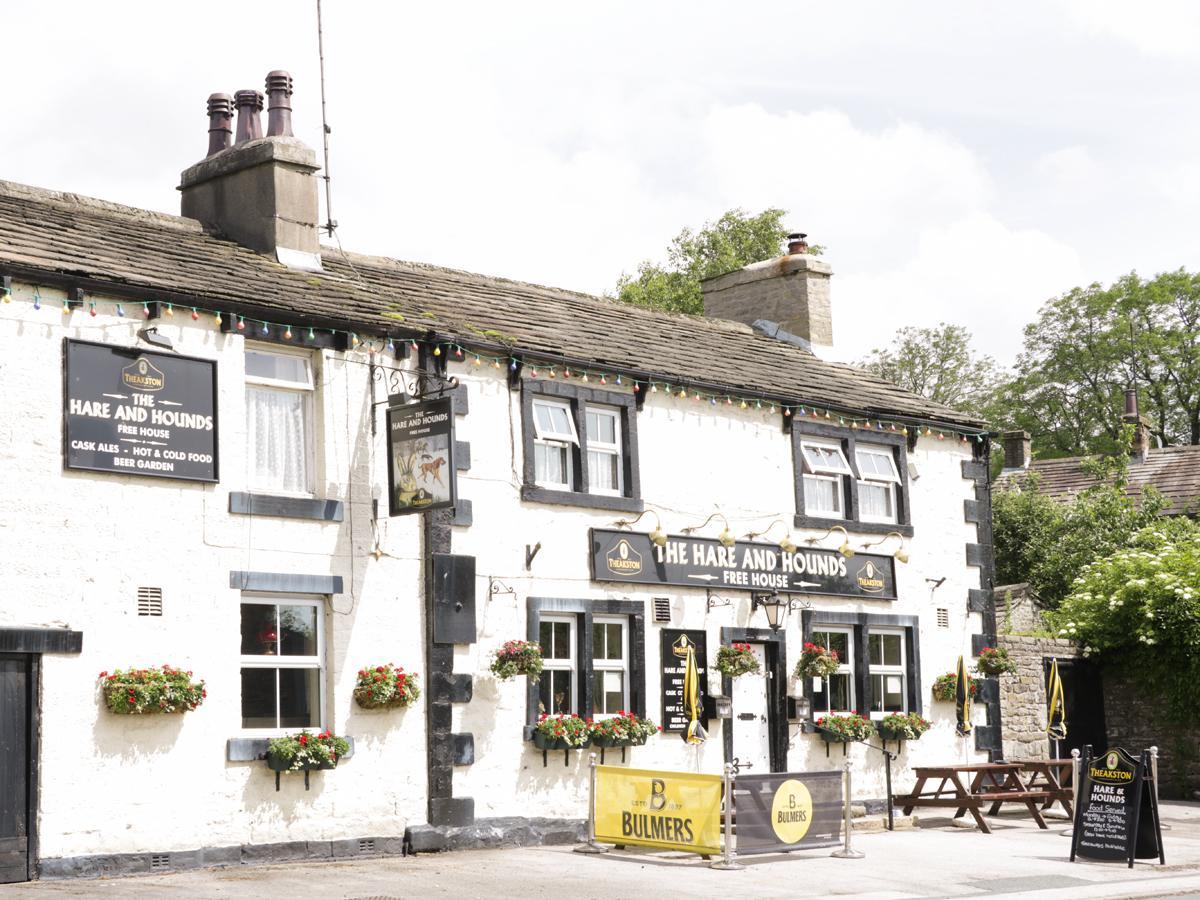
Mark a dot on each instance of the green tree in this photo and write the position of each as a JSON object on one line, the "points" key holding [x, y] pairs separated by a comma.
{"points": [[734, 240], [939, 364], [1090, 344], [1139, 608], [1048, 543]]}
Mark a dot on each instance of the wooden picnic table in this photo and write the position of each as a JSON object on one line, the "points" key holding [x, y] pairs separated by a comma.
{"points": [[988, 783], [1053, 776]]}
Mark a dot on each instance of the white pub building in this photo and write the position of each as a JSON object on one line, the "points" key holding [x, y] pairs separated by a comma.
{"points": [[200, 473]]}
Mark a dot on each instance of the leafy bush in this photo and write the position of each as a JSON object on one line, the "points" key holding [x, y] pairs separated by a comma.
{"points": [[158, 689], [1140, 607], [517, 658], [386, 686]]}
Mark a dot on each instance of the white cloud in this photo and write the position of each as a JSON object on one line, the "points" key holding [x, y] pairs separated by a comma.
{"points": [[1153, 26]]}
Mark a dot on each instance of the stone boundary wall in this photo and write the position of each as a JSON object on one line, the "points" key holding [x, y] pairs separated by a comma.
{"points": [[1137, 722], [1023, 695]]}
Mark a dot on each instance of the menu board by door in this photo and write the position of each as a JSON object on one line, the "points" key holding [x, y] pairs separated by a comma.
{"points": [[674, 663], [1116, 818]]}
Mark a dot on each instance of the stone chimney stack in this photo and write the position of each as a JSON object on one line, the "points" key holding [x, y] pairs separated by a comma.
{"points": [[1017, 446], [786, 297], [1141, 428], [262, 191]]}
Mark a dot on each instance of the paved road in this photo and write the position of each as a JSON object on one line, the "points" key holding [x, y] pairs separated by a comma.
{"points": [[937, 862]]}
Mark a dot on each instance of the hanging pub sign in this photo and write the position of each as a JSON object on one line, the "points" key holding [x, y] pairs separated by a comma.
{"points": [[1116, 818], [675, 643], [631, 557], [787, 811], [421, 473], [136, 412]]}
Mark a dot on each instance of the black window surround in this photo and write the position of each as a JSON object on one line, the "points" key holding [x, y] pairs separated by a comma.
{"points": [[849, 438], [580, 397], [860, 625], [585, 611]]}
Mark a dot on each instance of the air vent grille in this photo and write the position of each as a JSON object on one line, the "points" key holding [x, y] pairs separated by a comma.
{"points": [[662, 609], [943, 617], [366, 845], [149, 601], [160, 861]]}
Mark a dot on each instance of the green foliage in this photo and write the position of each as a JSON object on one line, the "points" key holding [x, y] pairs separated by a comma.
{"points": [[1047, 543], [157, 689], [567, 727], [734, 240], [939, 364], [1090, 344], [848, 727], [903, 726], [945, 687], [736, 660], [386, 686], [306, 750], [995, 661], [1140, 607], [517, 658]]}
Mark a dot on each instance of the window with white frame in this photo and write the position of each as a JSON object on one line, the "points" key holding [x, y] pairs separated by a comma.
{"points": [[825, 471], [603, 426], [610, 666], [279, 415], [282, 663], [554, 443], [557, 685], [834, 694], [877, 483], [888, 672]]}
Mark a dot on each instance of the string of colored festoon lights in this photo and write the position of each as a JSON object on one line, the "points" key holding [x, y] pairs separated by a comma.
{"points": [[535, 369]]}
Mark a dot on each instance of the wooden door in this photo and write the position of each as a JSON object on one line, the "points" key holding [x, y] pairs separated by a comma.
{"points": [[16, 813]]}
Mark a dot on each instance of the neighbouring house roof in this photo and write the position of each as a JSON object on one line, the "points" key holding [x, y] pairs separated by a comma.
{"points": [[103, 244], [1173, 471]]}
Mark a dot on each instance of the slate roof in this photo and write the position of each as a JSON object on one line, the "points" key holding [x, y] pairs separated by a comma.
{"points": [[1173, 471], [173, 259]]}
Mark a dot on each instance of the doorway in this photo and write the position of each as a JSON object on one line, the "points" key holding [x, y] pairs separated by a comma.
{"points": [[756, 736], [1083, 694], [18, 784]]}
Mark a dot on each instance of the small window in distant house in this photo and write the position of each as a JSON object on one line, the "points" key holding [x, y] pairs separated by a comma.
{"points": [[553, 447], [877, 484], [279, 414], [557, 687], [282, 663]]}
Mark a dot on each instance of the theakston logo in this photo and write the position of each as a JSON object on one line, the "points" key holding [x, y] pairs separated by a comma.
{"points": [[141, 375], [870, 578], [622, 559], [681, 646]]}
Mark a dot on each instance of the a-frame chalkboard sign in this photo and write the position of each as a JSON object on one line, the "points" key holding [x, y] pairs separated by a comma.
{"points": [[1116, 818]]}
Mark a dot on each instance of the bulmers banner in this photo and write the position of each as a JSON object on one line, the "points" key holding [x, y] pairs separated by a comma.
{"points": [[787, 811], [669, 810]]}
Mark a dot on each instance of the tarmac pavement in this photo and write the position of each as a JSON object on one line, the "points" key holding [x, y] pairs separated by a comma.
{"points": [[938, 861]]}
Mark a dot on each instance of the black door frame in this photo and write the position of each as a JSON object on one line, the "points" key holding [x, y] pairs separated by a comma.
{"points": [[775, 645], [33, 692], [1077, 670]]}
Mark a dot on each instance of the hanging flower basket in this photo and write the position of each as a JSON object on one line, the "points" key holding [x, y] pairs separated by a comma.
{"points": [[945, 687], [561, 732], [994, 661], [817, 662], [736, 660], [386, 687], [158, 689], [625, 729], [517, 658], [306, 752], [902, 727], [843, 728]]}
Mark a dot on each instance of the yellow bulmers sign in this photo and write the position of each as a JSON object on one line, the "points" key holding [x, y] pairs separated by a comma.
{"points": [[671, 810]]}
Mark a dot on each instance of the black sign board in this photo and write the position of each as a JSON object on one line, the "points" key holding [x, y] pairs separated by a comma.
{"points": [[421, 472], [787, 811], [136, 412], [1116, 818], [674, 662], [629, 556]]}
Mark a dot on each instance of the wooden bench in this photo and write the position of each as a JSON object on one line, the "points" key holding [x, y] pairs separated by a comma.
{"points": [[990, 783]]}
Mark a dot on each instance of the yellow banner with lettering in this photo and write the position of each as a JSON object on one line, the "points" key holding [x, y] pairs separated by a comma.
{"points": [[671, 810]]}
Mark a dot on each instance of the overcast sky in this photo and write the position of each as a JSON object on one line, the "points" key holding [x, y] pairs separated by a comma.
{"points": [[961, 162]]}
